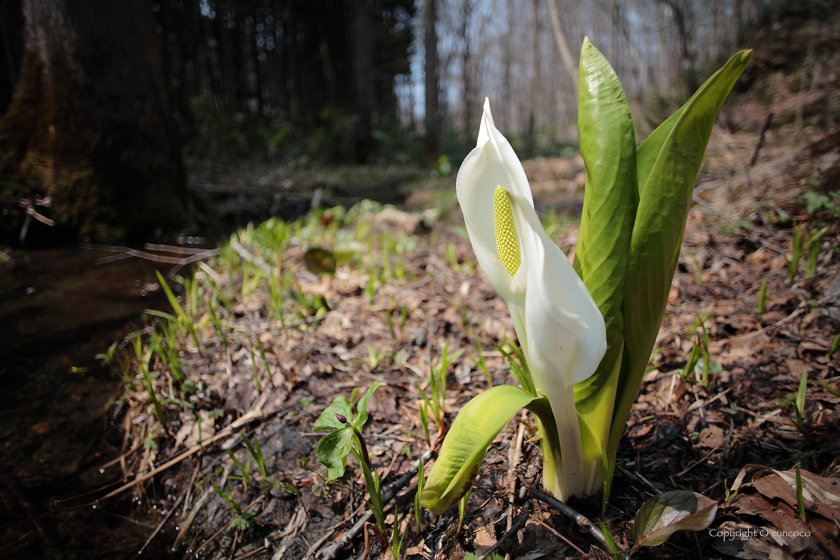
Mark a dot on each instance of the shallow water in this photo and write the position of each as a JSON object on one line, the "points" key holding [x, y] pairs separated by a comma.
{"points": [[58, 309]]}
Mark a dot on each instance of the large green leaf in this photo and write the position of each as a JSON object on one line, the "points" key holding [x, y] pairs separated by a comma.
{"points": [[463, 450], [608, 147], [660, 225], [649, 151]]}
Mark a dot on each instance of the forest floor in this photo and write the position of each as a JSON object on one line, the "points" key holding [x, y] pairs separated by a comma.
{"points": [[292, 314]]}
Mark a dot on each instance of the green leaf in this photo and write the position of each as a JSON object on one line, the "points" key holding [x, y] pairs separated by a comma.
{"points": [[361, 408], [608, 147], [660, 225], [328, 421], [332, 451], [609, 541], [319, 260], [162, 315], [463, 450], [668, 512], [649, 151]]}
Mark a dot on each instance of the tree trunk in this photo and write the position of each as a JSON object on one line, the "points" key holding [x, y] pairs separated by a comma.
{"points": [[431, 78], [363, 77], [11, 44], [89, 124]]}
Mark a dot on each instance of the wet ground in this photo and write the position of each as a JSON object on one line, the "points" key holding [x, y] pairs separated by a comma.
{"points": [[58, 309]]}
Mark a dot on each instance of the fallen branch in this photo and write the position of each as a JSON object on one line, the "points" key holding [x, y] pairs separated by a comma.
{"points": [[579, 519]]}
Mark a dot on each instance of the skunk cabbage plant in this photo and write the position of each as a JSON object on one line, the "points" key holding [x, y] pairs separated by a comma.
{"points": [[586, 330]]}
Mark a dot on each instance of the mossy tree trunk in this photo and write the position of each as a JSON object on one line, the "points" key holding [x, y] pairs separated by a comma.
{"points": [[89, 124]]}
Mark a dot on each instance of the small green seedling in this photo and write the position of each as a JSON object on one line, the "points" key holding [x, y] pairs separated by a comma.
{"points": [[800, 500], [396, 538], [256, 370], [143, 358], [833, 348], [814, 245], [179, 311], [345, 437], [242, 520], [762, 300], [418, 509], [799, 406], [423, 411], [462, 510], [795, 252], [612, 547], [480, 363], [245, 470]]}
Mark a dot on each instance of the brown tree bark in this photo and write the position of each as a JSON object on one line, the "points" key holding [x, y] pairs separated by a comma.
{"points": [[90, 124], [432, 84]]}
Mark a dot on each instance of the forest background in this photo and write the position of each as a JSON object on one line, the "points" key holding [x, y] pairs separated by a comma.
{"points": [[331, 82]]}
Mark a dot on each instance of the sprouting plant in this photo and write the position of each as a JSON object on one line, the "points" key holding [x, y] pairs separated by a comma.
{"points": [[762, 300], [423, 411], [834, 345], [243, 520], [418, 509], [345, 437], [256, 452], [373, 357], [107, 357], [800, 500], [480, 362], [452, 257], [245, 470], [462, 510], [814, 245], [795, 252], [396, 538], [370, 288], [700, 351], [143, 359], [799, 405], [609, 541], [255, 368], [179, 311], [797, 400], [217, 323], [437, 385]]}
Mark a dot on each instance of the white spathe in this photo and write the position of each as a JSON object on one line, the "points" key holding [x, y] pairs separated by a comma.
{"points": [[560, 328]]}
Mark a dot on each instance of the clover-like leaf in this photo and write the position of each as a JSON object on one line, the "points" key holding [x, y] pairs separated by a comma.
{"points": [[333, 449], [328, 421], [679, 510]]}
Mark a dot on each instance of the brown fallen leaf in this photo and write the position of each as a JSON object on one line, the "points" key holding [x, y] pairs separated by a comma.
{"points": [[711, 437], [771, 497]]}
